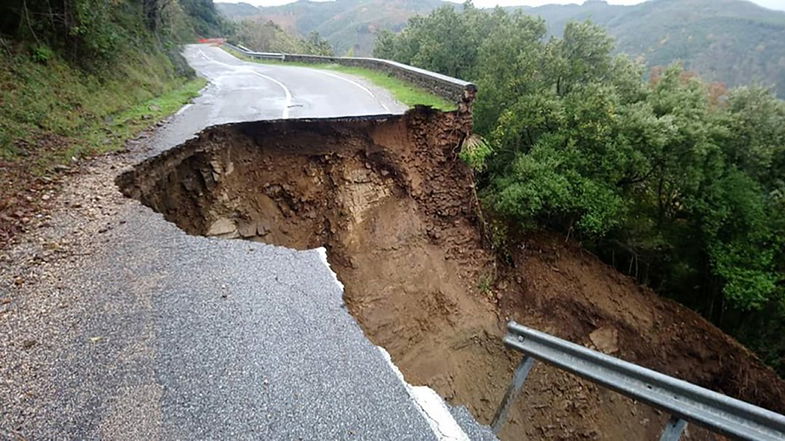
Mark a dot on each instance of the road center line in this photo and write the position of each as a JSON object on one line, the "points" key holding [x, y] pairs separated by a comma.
{"points": [[365, 89], [286, 91]]}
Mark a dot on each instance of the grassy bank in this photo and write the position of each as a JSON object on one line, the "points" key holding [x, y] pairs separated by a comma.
{"points": [[48, 102], [52, 114], [118, 128], [403, 91]]}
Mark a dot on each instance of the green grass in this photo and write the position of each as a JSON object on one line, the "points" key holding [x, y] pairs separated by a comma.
{"points": [[51, 111], [403, 91], [126, 124]]}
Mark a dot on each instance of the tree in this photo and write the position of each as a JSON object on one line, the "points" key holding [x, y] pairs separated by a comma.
{"points": [[675, 181], [316, 45]]}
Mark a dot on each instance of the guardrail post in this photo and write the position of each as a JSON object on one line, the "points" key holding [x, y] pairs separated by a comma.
{"points": [[673, 429], [684, 401], [518, 378]]}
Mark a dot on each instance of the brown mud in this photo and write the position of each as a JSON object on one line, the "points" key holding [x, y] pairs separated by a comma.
{"points": [[396, 210]]}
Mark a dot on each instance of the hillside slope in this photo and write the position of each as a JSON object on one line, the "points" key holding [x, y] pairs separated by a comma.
{"points": [[81, 78], [346, 24], [731, 41], [268, 36]]}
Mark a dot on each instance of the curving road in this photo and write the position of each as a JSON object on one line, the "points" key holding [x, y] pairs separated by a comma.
{"points": [[251, 91], [118, 326]]}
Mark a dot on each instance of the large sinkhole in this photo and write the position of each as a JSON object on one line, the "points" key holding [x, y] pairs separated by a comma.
{"points": [[397, 211]]}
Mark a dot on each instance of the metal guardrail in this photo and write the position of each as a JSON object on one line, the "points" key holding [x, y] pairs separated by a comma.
{"points": [[259, 55], [685, 401], [443, 85]]}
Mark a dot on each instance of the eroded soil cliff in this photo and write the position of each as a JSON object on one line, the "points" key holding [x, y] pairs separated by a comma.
{"points": [[397, 211]]}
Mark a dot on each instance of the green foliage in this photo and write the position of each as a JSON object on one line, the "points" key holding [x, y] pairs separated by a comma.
{"points": [[446, 41], [475, 151], [95, 33], [485, 284], [42, 54], [111, 135], [205, 19], [679, 183], [55, 99], [317, 45], [72, 71], [731, 41], [269, 37]]}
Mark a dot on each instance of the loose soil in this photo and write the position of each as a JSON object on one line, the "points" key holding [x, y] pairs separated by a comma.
{"points": [[397, 211], [26, 187]]}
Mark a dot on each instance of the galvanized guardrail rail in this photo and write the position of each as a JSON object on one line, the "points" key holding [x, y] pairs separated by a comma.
{"points": [[685, 402], [258, 55]]}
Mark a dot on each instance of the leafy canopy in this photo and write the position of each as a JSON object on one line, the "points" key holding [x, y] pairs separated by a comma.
{"points": [[673, 180]]}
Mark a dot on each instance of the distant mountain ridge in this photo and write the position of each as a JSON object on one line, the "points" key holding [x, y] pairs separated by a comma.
{"points": [[349, 25], [237, 10], [731, 41]]}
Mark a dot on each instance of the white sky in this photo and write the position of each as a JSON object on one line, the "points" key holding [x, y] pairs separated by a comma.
{"points": [[773, 4]]}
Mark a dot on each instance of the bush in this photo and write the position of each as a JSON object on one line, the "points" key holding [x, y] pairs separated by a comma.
{"points": [[42, 54]]}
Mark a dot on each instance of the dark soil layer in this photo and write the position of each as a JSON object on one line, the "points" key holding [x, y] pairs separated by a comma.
{"points": [[396, 210]]}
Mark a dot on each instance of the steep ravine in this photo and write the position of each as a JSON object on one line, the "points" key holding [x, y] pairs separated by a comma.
{"points": [[395, 208]]}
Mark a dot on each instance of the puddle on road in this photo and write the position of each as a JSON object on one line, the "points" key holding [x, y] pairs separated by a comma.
{"points": [[396, 210]]}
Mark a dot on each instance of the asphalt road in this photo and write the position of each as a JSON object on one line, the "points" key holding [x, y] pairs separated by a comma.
{"points": [[118, 326], [252, 91]]}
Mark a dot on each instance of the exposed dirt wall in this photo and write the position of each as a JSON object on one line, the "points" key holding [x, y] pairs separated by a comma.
{"points": [[396, 210]]}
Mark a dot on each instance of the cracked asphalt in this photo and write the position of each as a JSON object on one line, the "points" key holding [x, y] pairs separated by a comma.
{"points": [[116, 325]]}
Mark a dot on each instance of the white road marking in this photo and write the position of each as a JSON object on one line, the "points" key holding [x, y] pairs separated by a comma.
{"points": [[183, 109], [286, 91], [365, 89], [430, 405], [288, 103], [323, 257]]}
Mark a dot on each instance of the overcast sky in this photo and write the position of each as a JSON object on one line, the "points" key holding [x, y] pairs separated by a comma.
{"points": [[774, 4]]}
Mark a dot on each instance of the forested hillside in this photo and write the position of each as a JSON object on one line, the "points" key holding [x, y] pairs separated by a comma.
{"points": [[349, 25], [674, 181], [270, 37], [82, 76], [732, 41]]}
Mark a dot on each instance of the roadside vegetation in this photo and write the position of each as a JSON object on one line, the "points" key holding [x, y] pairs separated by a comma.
{"points": [[85, 113], [403, 91], [672, 180], [269, 37], [82, 77]]}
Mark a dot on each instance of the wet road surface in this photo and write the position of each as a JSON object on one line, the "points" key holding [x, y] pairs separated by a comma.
{"points": [[140, 332]]}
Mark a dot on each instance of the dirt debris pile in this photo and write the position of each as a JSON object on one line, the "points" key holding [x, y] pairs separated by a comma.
{"points": [[396, 209]]}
